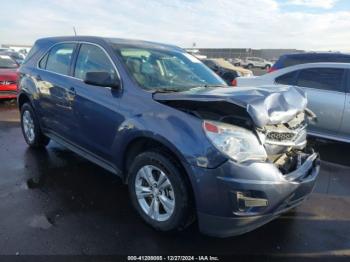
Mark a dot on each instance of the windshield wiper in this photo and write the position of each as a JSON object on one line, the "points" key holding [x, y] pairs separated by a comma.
{"points": [[217, 85], [168, 90]]}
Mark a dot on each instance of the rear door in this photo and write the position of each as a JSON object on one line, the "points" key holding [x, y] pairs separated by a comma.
{"points": [[345, 127], [325, 88], [53, 83]]}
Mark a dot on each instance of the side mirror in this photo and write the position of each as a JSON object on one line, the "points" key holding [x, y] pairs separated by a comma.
{"points": [[104, 79]]}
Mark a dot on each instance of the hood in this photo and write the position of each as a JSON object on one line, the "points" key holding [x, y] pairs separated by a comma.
{"points": [[9, 74], [267, 105]]}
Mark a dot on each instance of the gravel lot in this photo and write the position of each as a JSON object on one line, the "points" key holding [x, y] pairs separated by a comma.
{"points": [[54, 202]]}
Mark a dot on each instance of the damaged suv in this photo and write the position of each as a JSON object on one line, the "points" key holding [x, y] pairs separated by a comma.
{"points": [[188, 146]]}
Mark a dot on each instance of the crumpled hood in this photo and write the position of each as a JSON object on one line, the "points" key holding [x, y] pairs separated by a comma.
{"points": [[266, 105]]}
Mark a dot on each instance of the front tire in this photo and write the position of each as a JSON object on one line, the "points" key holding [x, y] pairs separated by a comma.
{"points": [[31, 128], [159, 191]]}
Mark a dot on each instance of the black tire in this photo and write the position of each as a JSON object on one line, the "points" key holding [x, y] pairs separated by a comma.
{"points": [[250, 66], [267, 67], [39, 140], [182, 214]]}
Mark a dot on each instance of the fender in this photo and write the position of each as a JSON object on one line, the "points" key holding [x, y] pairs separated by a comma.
{"points": [[195, 147], [27, 87]]}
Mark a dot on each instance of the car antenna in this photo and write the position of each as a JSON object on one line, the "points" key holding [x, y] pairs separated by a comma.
{"points": [[75, 32]]}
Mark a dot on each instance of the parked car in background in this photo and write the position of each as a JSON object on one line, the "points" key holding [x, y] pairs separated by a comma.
{"points": [[235, 61], [2, 49], [309, 57], [23, 51], [18, 57], [328, 90], [187, 145], [226, 70], [8, 77], [256, 62]]}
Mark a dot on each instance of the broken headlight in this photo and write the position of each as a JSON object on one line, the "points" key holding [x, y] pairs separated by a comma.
{"points": [[237, 143]]}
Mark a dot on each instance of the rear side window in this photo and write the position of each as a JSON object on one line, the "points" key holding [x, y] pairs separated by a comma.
{"points": [[60, 57], [286, 79], [43, 61], [322, 78], [92, 58]]}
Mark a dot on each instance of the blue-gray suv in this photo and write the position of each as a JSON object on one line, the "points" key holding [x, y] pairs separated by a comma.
{"points": [[188, 146]]}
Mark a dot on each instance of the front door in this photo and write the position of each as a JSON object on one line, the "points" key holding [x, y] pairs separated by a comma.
{"points": [[96, 107]]}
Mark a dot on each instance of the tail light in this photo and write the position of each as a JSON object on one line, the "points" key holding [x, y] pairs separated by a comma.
{"points": [[272, 69], [234, 82]]}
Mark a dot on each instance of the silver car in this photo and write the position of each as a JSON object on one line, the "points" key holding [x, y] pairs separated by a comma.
{"points": [[256, 62], [328, 89]]}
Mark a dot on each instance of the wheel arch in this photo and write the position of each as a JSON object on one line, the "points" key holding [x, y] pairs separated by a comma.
{"points": [[22, 99], [143, 144]]}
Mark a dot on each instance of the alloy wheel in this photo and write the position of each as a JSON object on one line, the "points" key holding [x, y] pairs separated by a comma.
{"points": [[155, 193], [28, 126]]}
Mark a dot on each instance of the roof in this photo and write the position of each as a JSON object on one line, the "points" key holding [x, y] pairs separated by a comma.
{"points": [[112, 41]]}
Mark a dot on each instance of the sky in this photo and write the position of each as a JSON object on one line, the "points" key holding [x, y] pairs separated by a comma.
{"points": [[301, 24]]}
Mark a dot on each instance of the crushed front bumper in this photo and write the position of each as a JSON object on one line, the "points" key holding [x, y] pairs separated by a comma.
{"points": [[236, 198]]}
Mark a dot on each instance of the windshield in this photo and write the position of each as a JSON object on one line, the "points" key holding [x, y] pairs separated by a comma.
{"points": [[6, 62], [164, 70]]}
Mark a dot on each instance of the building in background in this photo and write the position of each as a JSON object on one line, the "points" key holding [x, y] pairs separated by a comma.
{"points": [[196, 53], [227, 53]]}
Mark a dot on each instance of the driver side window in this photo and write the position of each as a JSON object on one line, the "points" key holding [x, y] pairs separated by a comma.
{"points": [[92, 58]]}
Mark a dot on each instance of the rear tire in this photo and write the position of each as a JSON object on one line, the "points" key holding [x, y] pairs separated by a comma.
{"points": [[31, 128], [250, 66], [267, 67], [164, 206]]}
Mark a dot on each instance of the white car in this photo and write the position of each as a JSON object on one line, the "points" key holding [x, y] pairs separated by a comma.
{"points": [[251, 62], [328, 90]]}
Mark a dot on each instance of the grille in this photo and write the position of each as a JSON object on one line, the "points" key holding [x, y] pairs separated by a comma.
{"points": [[280, 136], [5, 83], [285, 133]]}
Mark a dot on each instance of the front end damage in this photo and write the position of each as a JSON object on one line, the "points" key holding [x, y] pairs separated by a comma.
{"points": [[278, 117], [237, 197]]}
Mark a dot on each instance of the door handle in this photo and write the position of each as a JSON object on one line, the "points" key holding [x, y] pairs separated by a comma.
{"points": [[72, 91], [70, 95]]}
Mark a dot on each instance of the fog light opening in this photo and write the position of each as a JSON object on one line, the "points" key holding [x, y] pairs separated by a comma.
{"points": [[247, 202]]}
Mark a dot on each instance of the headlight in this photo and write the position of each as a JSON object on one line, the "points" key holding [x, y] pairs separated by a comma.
{"points": [[237, 143]]}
